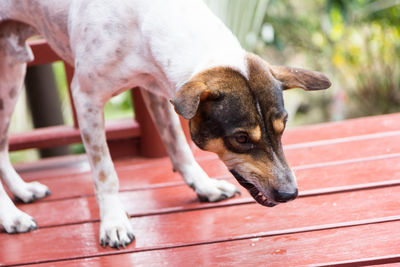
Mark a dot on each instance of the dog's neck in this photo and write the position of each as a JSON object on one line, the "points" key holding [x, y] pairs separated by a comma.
{"points": [[195, 41]]}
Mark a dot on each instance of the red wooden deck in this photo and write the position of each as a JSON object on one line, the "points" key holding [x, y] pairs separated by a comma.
{"points": [[348, 211]]}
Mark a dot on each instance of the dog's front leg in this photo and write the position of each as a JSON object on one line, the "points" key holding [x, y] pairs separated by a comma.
{"points": [[169, 127], [115, 228], [12, 219]]}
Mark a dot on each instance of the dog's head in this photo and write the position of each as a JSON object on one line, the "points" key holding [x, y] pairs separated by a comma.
{"points": [[242, 120]]}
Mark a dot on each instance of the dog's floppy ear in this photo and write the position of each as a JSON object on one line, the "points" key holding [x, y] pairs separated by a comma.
{"points": [[300, 78], [187, 100], [260, 72]]}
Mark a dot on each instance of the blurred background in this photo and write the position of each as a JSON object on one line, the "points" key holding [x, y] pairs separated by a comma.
{"points": [[355, 43]]}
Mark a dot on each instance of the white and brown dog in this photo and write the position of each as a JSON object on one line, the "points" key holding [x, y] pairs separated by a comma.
{"points": [[178, 51]]}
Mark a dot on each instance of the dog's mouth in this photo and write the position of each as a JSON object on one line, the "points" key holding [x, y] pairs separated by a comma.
{"points": [[254, 192]]}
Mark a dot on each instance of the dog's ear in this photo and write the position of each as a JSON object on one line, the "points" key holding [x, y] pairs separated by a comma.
{"points": [[188, 98], [300, 78]]}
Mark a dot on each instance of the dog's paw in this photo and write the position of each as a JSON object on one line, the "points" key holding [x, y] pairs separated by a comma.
{"points": [[29, 192], [15, 221], [212, 190], [116, 233]]}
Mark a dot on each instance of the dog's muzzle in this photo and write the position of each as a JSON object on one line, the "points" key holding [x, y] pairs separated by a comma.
{"points": [[254, 192], [277, 195]]}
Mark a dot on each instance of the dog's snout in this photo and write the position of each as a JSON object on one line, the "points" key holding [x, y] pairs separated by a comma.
{"points": [[284, 196]]}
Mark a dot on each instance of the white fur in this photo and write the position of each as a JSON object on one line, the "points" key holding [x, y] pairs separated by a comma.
{"points": [[116, 45]]}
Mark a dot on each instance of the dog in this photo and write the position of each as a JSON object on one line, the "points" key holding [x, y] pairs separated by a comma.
{"points": [[185, 56]]}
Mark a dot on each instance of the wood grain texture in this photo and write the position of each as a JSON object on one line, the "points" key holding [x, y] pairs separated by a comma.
{"points": [[353, 246]]}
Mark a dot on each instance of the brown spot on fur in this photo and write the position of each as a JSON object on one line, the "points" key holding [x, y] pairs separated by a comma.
{"points": [[102, 177], [100, 150], [3, 143], [255, 134], [13, 92], [118, 53], [216, 145], [5, 129], [1, 104], [96, 159], [86, 138], [278, 125]]}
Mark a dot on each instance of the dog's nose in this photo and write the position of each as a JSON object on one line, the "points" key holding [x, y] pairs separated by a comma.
{"points": [[283, 196]]}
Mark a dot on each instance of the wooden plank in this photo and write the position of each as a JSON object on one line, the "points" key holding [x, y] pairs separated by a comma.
{"points": [[353, 246], [186, 228], [64, 135], [344, 151], [342, 129]]}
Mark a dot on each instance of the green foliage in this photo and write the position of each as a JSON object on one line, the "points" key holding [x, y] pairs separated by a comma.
{"points": [[119, 106], [357, 43], [243, 17]]}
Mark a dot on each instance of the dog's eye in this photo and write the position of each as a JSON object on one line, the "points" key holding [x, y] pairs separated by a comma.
{"points": [[242, 138], [239, 142]]}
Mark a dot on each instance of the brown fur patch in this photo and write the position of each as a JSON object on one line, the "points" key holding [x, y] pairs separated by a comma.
{"points": [[216, 145], [260, 169], [261, 72], [102, 177], [86, 137], [255, 134], [13, 92], [1, 104], [260, 75], [279, 125], [206, 85], [96, 159], [3, 144], [300, 78], [96, 148]]}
